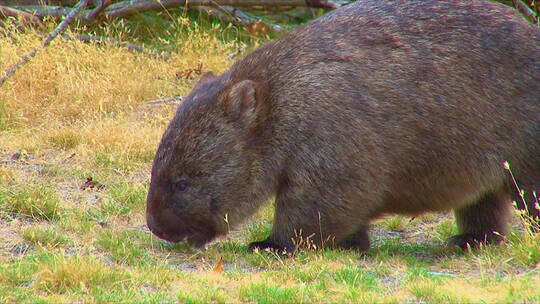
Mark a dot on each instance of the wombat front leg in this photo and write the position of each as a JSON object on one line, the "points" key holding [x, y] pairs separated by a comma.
{"points": [[485, 221], [301, 221]]}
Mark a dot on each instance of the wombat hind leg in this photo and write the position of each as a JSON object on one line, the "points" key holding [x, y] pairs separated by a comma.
{"points": [[358, 241], [485, 221]]}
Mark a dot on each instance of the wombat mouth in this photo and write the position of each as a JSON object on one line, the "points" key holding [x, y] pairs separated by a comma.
{"points": [[194, 239], [178, 229]]}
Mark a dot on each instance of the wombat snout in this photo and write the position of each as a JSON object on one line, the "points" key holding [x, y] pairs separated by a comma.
{"points": [[154, 228]]}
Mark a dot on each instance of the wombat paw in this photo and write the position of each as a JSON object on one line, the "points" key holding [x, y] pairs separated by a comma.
{"points": [[465, 241], [356, 245], [266, 244]]}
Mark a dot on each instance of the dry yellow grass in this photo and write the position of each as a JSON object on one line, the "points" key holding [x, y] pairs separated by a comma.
{"points": [[72, 85]]}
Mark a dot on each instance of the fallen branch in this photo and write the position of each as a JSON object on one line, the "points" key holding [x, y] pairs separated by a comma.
{"points": [[26, 17], [109, 10], [56, 12], [249, 19], [85, 16], [100, 6], [60, 28], [526, 10], [103, 8], [129, 7], [235, 16], [38, 2], [128, 45], [169, 100]]}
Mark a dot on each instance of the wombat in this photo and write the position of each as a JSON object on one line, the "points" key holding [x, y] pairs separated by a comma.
{"points": [[380, 107]]}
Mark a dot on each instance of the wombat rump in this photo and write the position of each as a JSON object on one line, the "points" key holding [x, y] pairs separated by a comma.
{"points": [[380, 107]]}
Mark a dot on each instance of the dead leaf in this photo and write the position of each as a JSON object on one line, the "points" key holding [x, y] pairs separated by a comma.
{"points": [[187, 73], [219, 266], [92, 184], [258, 28]]}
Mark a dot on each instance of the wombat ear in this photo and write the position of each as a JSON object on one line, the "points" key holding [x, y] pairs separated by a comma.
{"points": [[243, 100]]}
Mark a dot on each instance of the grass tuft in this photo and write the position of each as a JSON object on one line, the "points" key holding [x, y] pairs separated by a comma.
{"points": [[65, 139], [210, 294], [48, 236], [432, 292], [123, 248], [356, 278], [35, 201], [266, 293], [62, 274], [129, 195], [396, 223]]}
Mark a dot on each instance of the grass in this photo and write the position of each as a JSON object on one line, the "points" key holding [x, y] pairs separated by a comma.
{"points": [[268, 293], [396, 223], [123, 248], [48, 237], [38, 202], [65, 139], [79, 111]]}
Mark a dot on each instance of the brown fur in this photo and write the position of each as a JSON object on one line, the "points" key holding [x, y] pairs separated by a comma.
{"points": [[381, 107]]}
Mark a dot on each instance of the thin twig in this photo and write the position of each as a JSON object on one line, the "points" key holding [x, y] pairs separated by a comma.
{"points": [[168, 100], [60, 28], [518, 189], [525, 9]]}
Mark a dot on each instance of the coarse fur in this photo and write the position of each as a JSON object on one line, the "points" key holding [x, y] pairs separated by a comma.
{"points": [[380, 107]]}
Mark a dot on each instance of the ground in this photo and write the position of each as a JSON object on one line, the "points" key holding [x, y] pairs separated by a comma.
{"points": [[77, 137]]}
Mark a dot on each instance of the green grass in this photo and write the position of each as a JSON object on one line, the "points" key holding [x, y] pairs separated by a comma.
{"points": [[445, 229], [45, 236], [267, 293], [35, 201], [356, 278], [123, 247], [431, 292], [129, 195], [63, 274], [396, 223], [211, 294]]}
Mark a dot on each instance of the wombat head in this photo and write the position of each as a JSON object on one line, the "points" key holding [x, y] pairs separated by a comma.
{"points": [[206, 167]]}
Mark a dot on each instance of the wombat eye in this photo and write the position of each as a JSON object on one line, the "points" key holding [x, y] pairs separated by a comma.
{"points": [[182, 186]]}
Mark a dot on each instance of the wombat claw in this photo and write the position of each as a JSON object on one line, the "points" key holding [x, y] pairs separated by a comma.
{"points": [[266, 244], [465, 241]]}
